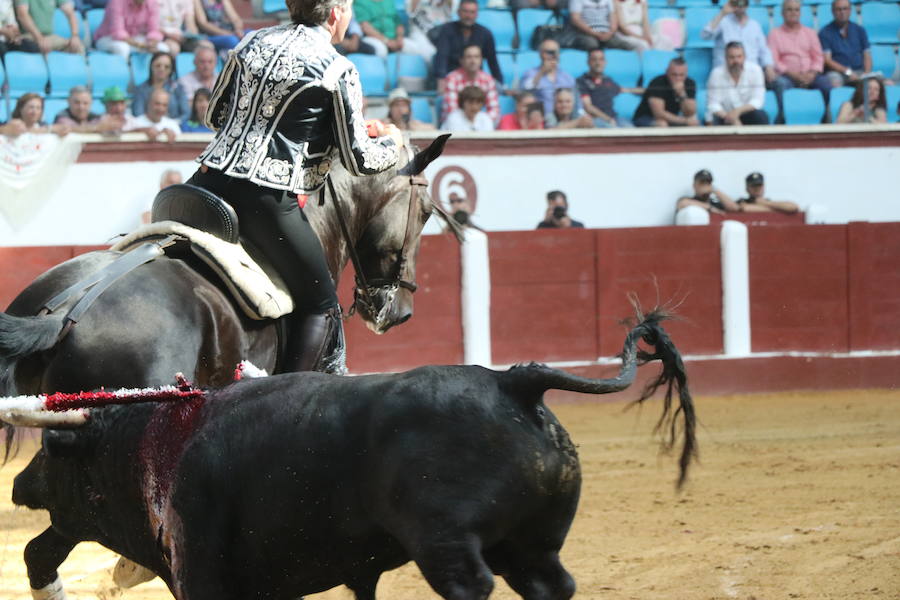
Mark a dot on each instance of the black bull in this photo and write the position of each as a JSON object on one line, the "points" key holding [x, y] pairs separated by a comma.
{"points": [[289, 485]]}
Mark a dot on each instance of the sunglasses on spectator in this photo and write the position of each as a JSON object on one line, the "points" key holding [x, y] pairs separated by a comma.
{"points": [[549, 52]]}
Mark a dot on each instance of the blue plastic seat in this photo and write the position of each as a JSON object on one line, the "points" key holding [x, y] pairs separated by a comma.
{"points": [[892, 96], [836, 98], [507, 104], [140, 66], [372, 73], [273, 6], [52, 107], [695, 4], [884, 59], [695, 19], [509, 68], [407, 70], [760, 14], [803, 107], [574, 62], [770, 106], [25, 72], [66, 70], [94, 18], [881, 20], [184, 63], [806, 17], [527, 60], [107, 70], [623, 66], [529, 19], [422, 110], [61, 24], [97, 106], [699, 64], [626, 104], [700, 99], [655, 62], [501, 24]]}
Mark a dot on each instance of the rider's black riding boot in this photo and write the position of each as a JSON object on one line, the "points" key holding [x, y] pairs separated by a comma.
{"points": [[316, 343]]}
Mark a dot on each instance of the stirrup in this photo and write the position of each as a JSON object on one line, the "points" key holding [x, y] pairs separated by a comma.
{"points": [[336, 362]]}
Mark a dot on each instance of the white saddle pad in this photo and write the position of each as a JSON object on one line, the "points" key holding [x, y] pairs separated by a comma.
{"points": [[258, 295]]}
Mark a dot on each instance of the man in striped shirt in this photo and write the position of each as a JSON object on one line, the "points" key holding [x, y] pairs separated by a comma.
{"points": [[470, 73]]}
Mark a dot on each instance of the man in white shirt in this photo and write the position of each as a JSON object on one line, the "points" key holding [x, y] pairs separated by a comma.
{"points": [[736, 90], [155, 122], [204, 73]]}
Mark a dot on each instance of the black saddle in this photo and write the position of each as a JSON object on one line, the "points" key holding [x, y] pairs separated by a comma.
{"points": [[198, 208]]}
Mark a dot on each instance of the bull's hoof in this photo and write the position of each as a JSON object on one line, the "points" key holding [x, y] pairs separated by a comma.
{"points": [[127, 574], [52, 591]]}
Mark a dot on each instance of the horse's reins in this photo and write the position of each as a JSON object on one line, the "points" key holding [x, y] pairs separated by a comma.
{"points": [[362, 293]]}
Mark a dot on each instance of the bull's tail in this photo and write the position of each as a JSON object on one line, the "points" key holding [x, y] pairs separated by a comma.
{"points": [[537, 378], [20, 337]]}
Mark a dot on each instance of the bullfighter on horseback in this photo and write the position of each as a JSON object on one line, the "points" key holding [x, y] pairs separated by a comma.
{"points": [[285, 106]]}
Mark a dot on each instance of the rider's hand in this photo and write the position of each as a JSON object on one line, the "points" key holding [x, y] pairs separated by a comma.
{"points": [[395, 134]]}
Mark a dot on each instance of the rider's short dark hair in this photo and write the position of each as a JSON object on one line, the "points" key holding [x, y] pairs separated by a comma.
{"points": [[312, 12]]}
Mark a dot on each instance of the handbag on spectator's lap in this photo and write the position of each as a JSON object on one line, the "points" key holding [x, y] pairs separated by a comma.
{"points": [[564, 35]]}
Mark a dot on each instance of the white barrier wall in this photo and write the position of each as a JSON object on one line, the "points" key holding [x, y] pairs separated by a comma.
{"points": [[97, 201]]}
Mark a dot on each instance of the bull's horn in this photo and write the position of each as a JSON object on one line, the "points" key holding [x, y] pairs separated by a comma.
{"points": [[42, 418]]}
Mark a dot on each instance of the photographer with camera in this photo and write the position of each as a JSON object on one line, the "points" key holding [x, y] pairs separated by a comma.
{"points": [[461, 211], [557, 215]]}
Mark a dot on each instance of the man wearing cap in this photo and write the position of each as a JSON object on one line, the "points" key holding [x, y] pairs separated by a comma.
{"points": [[708, 197], [400, 112], [470, 73], [116, 119], [756, 200]]}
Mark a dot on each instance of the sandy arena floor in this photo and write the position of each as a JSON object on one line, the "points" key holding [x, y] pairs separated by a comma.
{"points": [[796, 496]]}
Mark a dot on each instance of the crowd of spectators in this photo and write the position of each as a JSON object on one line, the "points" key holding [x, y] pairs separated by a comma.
{"points": [[745, 63], [462, 56]]}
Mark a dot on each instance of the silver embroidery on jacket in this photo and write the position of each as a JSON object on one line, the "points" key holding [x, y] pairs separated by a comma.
{"points": [[263, 77]]}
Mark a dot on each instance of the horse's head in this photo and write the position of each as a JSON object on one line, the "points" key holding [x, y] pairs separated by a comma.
{"points": [[389, 245]]}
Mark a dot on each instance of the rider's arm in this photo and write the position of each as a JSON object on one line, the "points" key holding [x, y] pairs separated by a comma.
{"points": [[360, 154]]}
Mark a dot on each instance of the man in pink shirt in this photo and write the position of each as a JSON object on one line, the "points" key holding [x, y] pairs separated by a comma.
{"points": [[470, 73], [130, 25], [797, 53]]}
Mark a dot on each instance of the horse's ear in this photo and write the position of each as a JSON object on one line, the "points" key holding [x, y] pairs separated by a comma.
{"points": [[425, 157]]}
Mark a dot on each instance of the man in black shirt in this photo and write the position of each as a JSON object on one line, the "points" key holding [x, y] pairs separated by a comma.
{"points": [[453, 37], [669, 100], [557, 215], [707, 197]]}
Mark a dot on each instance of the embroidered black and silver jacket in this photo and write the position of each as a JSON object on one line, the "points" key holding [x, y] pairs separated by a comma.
{"points": [[285, 104]]}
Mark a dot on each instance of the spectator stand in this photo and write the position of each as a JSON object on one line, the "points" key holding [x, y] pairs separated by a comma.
{"points": [[25, 72], [529, 19], [892, 93], [884, 59], [54, 106], [655, 62], [65, 71], [372, 72], [881, 21], [699, 63], [501, 24], [803, 107], [770, 106], [62, 29], [837, 97], [623, 66], [107, 70], [695, 19], [626, 104]]}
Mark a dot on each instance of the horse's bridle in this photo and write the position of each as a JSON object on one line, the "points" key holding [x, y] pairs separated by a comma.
{"points": [[362, 293]]}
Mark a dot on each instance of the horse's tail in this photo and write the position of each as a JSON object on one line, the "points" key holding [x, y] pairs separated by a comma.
{"points": [[19, 337], [535, 379]]}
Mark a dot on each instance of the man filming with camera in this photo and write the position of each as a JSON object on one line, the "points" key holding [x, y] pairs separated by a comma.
{"points": [[557, 215]]}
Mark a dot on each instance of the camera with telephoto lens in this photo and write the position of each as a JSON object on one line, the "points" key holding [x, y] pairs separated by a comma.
{"points": [[559, 212], [461, 217]]}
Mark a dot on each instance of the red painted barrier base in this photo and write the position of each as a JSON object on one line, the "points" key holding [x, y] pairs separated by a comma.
{"points": [[764, 374]]}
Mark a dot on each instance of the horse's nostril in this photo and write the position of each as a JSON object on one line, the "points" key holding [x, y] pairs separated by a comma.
{"points": [[404, 318]]}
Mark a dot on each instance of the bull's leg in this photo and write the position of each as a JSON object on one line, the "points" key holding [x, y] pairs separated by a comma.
{"points": [[43, 555], [454, 567], [533, 575]]}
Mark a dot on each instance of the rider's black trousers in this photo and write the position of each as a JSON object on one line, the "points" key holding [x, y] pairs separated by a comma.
{"points": [[275, 224]]}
